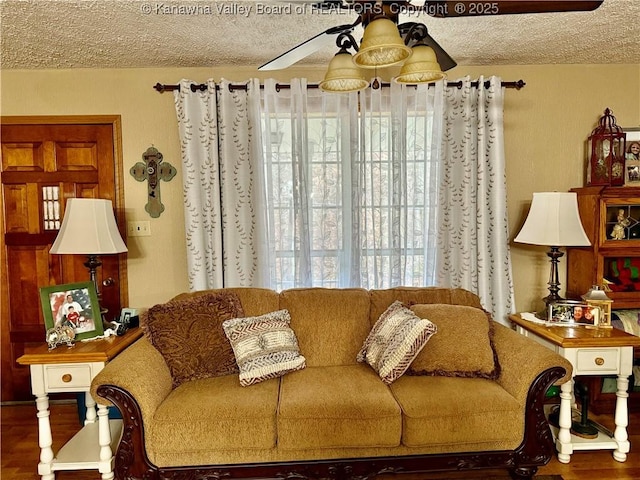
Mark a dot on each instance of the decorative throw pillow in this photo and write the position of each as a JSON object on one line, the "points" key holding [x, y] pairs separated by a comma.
{"points": [[394, 341], [188, 333], [265, 346], [463, 346]]}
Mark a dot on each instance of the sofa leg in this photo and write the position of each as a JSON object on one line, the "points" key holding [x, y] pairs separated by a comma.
{"points": [[523, 473]]}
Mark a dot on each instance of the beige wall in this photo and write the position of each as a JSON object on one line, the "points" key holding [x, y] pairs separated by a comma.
{"points": [[546, 125]]}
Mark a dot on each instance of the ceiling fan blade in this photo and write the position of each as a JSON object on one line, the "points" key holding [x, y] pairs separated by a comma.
{"points": [[465, 8], [307, 47]]}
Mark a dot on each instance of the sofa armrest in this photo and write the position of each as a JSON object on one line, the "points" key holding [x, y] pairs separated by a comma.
{"points": [[142, 372], [522, 360]]}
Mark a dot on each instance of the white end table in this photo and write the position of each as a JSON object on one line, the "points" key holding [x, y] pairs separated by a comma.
{"points": [[592, 352], [71, 370]]}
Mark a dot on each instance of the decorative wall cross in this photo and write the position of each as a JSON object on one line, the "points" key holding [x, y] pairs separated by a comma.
{"points": [[153, 169]]}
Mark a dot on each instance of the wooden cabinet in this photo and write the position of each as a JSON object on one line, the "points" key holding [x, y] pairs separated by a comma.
{"points": [[611, 219], [614, 254]]}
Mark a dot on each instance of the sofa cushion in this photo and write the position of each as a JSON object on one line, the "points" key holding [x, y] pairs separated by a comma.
{"points": [[457, 411], [218, 412], [394, 341], [264, 346], [464, 344], [338, 406], [188, 333], [381, 299], [330, 324]]}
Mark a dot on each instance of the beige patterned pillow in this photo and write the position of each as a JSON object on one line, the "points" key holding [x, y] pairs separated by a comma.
{"points": [[265, 347], [394, 341], [188, 333]]}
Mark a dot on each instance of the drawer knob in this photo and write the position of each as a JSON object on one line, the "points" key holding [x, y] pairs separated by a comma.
{"points": [[599, 361], [66, 378]]}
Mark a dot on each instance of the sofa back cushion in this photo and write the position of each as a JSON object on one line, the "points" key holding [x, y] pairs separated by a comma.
{"points": [[381, 299], [330, 324]]}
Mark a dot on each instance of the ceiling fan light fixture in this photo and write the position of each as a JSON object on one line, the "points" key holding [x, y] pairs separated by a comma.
{"points": [[381, 45], [421, 67], [342, 75]]}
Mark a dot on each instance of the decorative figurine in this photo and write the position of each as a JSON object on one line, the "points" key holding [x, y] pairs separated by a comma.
{"points": [[59, 335], [618, 232]]}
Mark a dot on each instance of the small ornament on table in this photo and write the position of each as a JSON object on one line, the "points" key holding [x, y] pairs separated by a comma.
{"points": [[597, 299], [61, 334]]}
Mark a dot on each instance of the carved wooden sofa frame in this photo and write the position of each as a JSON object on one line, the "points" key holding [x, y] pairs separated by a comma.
{"points": [[536, 449]]}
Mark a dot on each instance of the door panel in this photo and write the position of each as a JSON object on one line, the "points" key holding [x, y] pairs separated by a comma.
{"points": [[45, 161]]}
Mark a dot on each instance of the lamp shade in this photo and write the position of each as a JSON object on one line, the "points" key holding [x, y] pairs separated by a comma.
{"points": [[554, 220], [421, 67], [342, 75], [381, 45], [88, 227]]}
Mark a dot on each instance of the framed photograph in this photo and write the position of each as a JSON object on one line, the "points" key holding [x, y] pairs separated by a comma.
{"points": [[126, 314], [75, 305], [632, 157], [571, 313]]}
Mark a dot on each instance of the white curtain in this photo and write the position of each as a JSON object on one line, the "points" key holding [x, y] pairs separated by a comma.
{"points": [[198, 128], [223, 196], [473, 240], [394, 186]]}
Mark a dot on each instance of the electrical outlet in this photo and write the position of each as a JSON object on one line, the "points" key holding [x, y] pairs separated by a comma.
{"points": [[139, 229]]}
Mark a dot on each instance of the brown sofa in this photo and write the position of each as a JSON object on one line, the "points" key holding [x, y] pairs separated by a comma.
{"points": [[335, 418]]}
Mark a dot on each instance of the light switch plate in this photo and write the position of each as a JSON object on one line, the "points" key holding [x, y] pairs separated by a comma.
{"points": [[139, 229]]}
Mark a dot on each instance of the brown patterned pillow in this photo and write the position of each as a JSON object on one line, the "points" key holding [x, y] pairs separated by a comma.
{"points": [[463, 346], [265, 346], [394, 341], [189, 335]]}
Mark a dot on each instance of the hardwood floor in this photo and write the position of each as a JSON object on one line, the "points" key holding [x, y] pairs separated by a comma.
{"points": [[20, 451]]}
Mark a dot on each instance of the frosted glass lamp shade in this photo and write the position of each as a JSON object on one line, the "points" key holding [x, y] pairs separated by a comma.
{"points": [[421, 67], [554, 220], [381, 45], [343, 75], [88, 227]]}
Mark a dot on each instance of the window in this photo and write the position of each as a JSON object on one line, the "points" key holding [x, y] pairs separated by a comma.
{"points": [[350, 202]]}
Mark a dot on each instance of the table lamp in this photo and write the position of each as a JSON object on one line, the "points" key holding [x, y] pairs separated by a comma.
{"points": [[554, 221], [89, 228]]}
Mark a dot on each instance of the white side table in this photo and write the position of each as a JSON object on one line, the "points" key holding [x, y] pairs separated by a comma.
{"points": [[71, 370], [592, 352]]}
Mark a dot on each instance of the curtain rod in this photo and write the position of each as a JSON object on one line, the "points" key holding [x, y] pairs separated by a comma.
{"points": [[284, 86]]}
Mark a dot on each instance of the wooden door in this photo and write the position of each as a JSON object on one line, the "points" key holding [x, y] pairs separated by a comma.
{"points": [[44, 162]]}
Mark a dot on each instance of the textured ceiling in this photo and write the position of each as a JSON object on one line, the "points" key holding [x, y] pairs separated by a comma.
{"points": [[51, 34]]}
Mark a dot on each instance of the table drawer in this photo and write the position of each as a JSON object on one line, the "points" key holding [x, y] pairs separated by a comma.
{"points": [[597, 361], [67, 376]]}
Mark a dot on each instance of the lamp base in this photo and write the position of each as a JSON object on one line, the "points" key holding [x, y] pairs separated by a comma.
{"points": [[92, 265], [554, 283]]}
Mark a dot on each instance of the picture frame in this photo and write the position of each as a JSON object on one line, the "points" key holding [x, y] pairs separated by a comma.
{"points": [[573, 313], [60, 305], [126, 314], [632, 157]]}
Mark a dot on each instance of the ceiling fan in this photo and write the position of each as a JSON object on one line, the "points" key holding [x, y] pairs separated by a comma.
{"points": [[369, 10]]}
